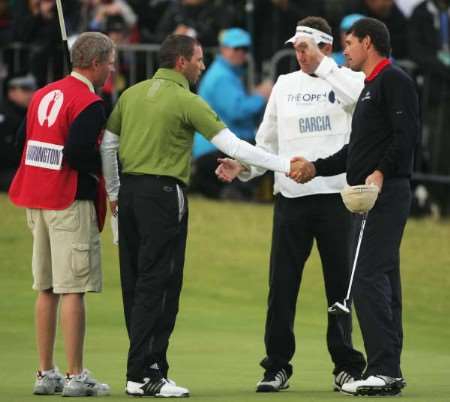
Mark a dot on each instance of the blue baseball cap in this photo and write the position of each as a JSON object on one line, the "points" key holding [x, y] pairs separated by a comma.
{"points": [[235, 37], [349, 20]]}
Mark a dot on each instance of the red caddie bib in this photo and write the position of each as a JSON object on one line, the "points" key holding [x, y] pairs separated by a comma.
{"points": [[44, 179]]}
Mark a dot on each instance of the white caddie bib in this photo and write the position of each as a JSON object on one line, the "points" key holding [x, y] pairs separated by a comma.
{"points": [[44, 155]]}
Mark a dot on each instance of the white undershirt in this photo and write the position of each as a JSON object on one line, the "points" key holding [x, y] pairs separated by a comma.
{"points": [[224, 140]]}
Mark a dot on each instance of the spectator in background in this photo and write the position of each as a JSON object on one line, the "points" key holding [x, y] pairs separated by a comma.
{"points": [[344, 26], [5, 23], [273, 21], [430, 49], [200, 19], [407, 6], [12, 112], [224, 90], [387, 12], [149, 13], [117, 30], [41, 30], [5, 37], [429, 37], [103, 9], [73, 9]]}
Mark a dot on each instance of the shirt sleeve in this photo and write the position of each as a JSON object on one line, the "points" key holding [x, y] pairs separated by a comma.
{"points": [[347, 84], [114, 123], [266, 137], [241, 150], [81, 147], [401, 101], [202, 118], [110, 166], [333, 164]]}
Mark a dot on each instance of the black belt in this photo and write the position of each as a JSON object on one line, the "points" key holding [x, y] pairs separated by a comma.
{"points": [[161, 178]]}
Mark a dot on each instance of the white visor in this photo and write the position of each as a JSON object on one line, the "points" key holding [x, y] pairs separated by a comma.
{"points": [[314, 34]]}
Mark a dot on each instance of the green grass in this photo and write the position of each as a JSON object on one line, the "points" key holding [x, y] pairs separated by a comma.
{"points": [[218, 340]]}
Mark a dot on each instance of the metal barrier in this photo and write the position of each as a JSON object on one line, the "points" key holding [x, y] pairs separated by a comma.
{"points": [[141, 60], [144, 59], [272, 67], [142, 63]]}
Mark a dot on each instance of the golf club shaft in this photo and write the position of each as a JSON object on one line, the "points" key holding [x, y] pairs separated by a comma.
{"points": [[355, 260]]}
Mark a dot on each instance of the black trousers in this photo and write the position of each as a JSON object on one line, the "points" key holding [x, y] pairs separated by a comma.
{"points": [[152, 243], [377, 288], [297, 222]]}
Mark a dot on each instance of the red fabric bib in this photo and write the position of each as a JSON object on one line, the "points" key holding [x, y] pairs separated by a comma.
{"points": [[44, 180]]}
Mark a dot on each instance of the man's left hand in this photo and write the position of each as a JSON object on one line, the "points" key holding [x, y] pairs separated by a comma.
{"points": [[113, 205], [376, 178]]}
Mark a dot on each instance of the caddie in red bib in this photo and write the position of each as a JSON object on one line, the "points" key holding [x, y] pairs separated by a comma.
{"points": [[45, 179], [60, 184]]}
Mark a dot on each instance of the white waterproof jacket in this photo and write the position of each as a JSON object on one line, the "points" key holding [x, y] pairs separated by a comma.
{"points": [[309, 116]]}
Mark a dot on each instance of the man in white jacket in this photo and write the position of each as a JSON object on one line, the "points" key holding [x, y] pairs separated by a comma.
{"points": [[309, 112]]}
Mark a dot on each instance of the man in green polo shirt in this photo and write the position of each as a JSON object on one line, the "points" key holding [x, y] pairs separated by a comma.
{"points": [[152, 127]]}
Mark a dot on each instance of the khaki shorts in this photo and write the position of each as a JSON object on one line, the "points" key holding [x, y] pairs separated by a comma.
{"points": [[66, 249]]}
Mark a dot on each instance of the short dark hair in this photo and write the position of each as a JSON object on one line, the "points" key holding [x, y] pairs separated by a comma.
{"points": [[318, 23], [376, 31], [175, 46]]}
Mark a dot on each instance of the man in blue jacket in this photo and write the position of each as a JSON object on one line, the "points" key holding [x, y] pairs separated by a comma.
{"points": [[224, 89]]}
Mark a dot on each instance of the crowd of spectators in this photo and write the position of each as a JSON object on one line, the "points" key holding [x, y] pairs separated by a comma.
{"points": [[269, 22], [419, 31]]}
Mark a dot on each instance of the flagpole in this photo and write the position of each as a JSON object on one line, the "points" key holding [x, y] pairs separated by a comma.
{"points": [[62, 26]]}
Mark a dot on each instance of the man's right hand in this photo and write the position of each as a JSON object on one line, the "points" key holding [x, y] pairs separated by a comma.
{"points": [[228, 169], [302, 170]]}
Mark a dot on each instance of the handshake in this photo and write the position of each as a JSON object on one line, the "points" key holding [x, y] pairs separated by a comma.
{"points": [[301, 171]]}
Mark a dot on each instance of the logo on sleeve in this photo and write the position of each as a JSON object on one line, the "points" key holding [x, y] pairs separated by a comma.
{"points": [[366, 97], [49, 107]]}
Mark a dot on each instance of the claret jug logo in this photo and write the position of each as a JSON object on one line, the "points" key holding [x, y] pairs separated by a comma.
{"points": [[49, 107], [305, 98]]}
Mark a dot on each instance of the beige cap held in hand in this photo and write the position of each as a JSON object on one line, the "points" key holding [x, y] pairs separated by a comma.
{"points": [[360, 199]]}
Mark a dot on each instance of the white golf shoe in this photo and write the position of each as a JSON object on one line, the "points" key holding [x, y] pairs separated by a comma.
{"points": [[49, 382], [157, 387], [84, 385], [342, 378], [375, 385], [273, 381]]}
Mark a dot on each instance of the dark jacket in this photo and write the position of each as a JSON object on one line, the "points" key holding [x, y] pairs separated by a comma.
{"points": [[207, 19], [424, 39], [11, 116]]}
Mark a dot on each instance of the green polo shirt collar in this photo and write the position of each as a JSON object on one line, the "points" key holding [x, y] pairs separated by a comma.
{"points": [[172, 75]]}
